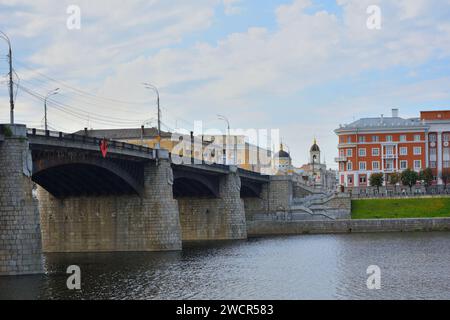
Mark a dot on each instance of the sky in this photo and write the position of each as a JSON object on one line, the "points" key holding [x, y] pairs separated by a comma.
{"points": [[301, 66]]}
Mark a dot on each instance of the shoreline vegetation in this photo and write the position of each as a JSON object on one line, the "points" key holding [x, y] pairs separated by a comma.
{"points": [[401, 208]]}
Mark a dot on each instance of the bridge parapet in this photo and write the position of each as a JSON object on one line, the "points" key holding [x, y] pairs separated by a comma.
{"points": [[42, 138]]}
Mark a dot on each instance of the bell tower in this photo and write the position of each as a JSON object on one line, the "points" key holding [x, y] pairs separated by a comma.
{"points": [[315, 154]]}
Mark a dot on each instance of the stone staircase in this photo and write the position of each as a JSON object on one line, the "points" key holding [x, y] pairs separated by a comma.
{"points": [[317, 206]]}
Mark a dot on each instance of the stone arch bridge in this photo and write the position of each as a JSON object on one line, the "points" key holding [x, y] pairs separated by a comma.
{"points": [[134, 199]]}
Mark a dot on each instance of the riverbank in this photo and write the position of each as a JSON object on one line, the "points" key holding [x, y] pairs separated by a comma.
{"points": [[271, 228]]}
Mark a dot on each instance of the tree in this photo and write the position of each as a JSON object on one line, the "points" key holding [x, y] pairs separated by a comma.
{"points": [[445, 178], [394, 179], [376, 180], [427, 177], [409, 178]]}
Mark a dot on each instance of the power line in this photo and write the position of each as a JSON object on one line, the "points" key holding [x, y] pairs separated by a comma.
{"points": [[82, 92], [79, 115], [89, 99], [78, 111]]}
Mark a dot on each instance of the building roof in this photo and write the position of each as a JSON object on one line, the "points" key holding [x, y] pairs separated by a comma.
{"points": [[282, 153], [121, 134], [383, 123], [315, 147]]}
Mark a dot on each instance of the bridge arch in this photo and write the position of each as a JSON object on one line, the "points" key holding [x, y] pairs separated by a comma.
{"points": [[191, 184], [63, 177], [250, 190]]}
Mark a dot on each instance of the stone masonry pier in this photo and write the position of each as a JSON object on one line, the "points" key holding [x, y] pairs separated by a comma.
{"points": [[20, 233], [114, 223], [221, 218]]}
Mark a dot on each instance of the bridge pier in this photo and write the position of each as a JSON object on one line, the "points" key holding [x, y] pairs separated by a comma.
{"points": [[221, 218], [20, 233], [115, 223]]}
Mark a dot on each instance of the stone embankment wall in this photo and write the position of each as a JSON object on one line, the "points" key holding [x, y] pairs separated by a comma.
{"points": [[271, 228]]}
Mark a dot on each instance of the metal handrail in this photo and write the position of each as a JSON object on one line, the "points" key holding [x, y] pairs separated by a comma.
{"points": [[56, 135]]}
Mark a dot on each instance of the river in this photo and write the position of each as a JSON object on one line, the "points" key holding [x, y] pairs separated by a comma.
{"points": [[413, 266]]}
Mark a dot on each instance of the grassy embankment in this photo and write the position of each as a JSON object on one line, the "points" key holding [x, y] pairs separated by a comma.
{"points": [[401, 208]]}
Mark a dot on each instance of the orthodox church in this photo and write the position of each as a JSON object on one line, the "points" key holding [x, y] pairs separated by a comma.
{"points": [[315, 173], [283, 163]]}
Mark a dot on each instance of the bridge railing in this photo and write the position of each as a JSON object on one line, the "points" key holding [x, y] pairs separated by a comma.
{"points": [[118, 145]]}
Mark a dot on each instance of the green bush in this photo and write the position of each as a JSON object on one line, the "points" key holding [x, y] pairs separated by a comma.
{"points": [[7, 131]]}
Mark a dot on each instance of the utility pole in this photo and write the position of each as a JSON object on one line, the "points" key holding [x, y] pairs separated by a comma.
{"points": [[11, 83], [51, 93]]}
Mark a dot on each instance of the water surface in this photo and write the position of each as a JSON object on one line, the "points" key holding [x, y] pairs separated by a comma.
{"points": [[414, 266]]}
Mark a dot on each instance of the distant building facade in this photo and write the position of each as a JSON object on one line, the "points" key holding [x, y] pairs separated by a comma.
{"points": [[393, 144]]}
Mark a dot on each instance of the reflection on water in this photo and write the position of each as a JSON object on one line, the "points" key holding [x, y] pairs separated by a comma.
{"points": [[414, 266]]}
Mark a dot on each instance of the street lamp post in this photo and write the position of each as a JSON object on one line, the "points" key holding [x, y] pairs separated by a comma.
{"points": [[51, 93], [221, 117], [11, 83], [152, 87]]}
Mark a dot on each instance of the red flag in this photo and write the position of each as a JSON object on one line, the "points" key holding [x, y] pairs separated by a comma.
{"points": [[104, 147]]}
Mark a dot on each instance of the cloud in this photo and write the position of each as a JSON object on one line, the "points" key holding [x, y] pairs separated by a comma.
{"points": [[260, 71], [231, 7]]}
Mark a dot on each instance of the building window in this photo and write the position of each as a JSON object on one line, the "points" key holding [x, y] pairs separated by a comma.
{"points": [[433, 164], [403, 138], [342, 153], [349, 166], [388, 138], [403, 165], [389, 165], [417, 164], [342, 167], [362, 139], [349, 153], [375, 152], [349, 139], [433, 154], [375, 165], [375, 138], [390, 150], [362, 179], [417, 137], [446, 137], [417, 151], [404, 151], [446, 154], [362, 166], [350, 180], [432, 138], [362, 152]]}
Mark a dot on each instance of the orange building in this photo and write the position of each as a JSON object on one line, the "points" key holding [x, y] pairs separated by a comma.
{"points": [[392, 144]]}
